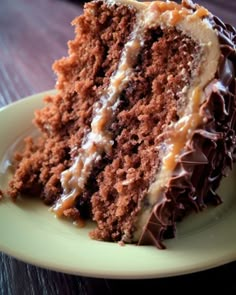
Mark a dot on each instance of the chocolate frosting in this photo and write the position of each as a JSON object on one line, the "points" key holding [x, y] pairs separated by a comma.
{"points": [[209, 153]]}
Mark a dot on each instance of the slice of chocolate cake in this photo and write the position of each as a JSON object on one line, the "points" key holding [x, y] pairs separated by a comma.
{"points": [[143, 126]]}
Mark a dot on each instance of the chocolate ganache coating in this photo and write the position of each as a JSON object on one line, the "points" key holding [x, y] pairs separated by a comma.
{"points": [[209, 153]]}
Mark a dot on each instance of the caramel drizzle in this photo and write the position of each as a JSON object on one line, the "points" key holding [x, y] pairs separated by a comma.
{"points": [[178, 135], [178, 12]]}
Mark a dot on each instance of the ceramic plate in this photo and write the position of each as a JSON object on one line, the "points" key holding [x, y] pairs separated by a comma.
{"points": [[29, 232]]}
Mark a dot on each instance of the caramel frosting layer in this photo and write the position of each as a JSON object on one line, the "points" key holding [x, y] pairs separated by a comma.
{"points": [[209, 153]]}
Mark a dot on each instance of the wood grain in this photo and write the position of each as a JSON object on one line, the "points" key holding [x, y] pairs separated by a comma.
{"points": [[32, 35]]}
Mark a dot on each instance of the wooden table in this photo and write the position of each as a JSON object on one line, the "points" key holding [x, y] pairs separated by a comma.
{"points": [[32, 35]]}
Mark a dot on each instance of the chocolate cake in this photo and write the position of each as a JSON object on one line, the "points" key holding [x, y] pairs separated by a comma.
{"points": [[142, 129]]}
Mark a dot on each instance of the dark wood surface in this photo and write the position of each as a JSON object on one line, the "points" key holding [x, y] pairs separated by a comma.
{"points": [[32, 35]]}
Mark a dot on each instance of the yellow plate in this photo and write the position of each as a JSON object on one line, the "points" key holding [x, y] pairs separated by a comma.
{"points": [[29, 232]]}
